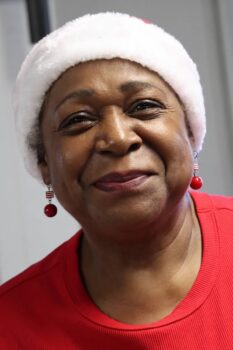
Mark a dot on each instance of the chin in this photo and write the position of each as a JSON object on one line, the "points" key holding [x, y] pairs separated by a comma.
{"points": [[133, 214]]}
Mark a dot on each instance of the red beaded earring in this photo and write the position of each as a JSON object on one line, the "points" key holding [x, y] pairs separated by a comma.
{"points": [[50, 209], [196, 182]]}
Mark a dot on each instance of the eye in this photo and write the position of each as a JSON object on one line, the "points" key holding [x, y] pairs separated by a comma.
{"points": [[146, 106], [77, 122]]}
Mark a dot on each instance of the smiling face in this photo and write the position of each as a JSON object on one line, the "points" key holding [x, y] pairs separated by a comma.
{"points": [[117, 150]]}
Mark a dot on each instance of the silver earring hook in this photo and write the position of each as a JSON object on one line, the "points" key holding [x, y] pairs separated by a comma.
{"points": [[195, 154]]}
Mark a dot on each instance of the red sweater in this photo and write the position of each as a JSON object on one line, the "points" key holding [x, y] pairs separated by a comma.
{"points": [[46, 307]]}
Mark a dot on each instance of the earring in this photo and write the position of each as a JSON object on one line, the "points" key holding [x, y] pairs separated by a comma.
{"points": [[196, 182], [50, 209]]}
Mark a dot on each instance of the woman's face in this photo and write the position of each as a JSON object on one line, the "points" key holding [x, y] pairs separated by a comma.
{"points": [[117, 146]]}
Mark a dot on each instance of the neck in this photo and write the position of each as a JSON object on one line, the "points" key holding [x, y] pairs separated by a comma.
{"points": [[144, 244], [157, 257]]}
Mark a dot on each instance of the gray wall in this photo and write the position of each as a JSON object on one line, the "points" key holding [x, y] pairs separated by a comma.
{"points": [[205, 28]]}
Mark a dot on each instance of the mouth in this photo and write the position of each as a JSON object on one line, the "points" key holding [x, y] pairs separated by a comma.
{"points": [[124, 181]]}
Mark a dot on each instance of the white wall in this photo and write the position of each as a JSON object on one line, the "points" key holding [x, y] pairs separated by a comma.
{"points": [[26, 234], [204, 27]]}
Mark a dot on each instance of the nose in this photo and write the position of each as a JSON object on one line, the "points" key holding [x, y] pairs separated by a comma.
{"points": [[116, 134]]}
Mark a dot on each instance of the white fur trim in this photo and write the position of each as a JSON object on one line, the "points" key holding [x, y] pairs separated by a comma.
{"points": [[104, 35]]}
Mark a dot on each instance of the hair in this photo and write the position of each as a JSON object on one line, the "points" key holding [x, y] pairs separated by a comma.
{"points": [[35, 140]]}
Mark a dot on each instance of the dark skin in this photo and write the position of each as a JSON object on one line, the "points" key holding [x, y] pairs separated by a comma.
{"points": [[141, 251]]}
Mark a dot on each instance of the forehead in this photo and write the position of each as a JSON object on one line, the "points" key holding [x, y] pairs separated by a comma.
{"points": [[109, 74]]}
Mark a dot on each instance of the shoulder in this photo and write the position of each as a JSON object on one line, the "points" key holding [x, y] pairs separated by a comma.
{"points": [[31, 301], [23, 282], [206, 201], [215, 214], [222, 202]]}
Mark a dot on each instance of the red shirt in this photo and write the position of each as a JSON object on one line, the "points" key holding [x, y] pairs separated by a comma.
{"points": [[47, 307]]}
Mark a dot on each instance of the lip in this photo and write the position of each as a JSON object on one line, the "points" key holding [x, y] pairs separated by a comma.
{"points": [[122, 181]]}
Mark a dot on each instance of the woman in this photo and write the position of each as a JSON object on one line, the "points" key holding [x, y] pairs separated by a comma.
{"points": [[110, 114]]}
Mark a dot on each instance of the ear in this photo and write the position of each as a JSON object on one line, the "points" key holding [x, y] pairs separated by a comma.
{"points": [[44, 169]]}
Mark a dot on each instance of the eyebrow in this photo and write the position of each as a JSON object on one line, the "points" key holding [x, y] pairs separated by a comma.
{"points": [[126, 87], [138, 85], [82, 93]]}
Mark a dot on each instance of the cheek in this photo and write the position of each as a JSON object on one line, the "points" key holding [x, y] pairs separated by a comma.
{"points": [[66, 159], [172, 143], [180, 165]]}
